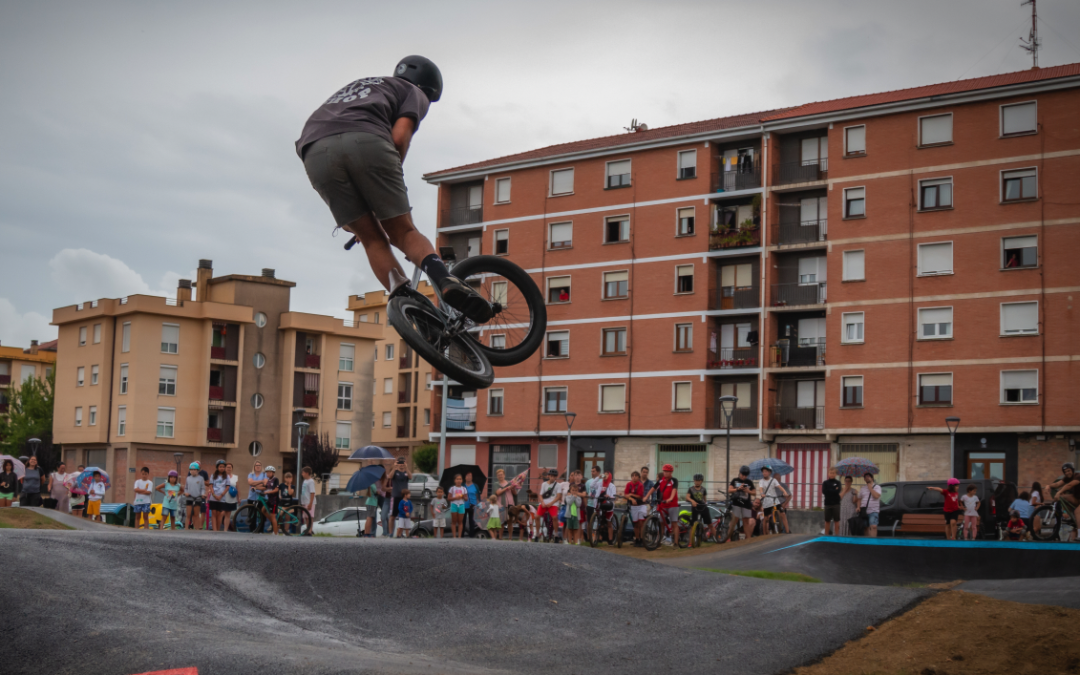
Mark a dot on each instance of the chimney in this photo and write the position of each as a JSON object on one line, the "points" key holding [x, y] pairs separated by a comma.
{"points": [[33, 346], [202, 280], [183, 291], [268, 272]]}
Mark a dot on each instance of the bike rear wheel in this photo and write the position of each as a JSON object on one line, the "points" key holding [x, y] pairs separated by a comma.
{"points": [[620, 532], [1050, 525], [596, 524], [652, 534], [444, 345], [696, 538], [721, 528], [547, 525], [294, 520], [247, 519], [520, 316]]}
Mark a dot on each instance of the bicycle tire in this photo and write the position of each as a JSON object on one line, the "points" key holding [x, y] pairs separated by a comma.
{"points": [[683, 540], [548, 529], [621, 533], [595, 533], [1050, 523], [723, 528], [423, 327], [521, 318], [300, 519], [247, 519], [652, 534], [696, 539]]}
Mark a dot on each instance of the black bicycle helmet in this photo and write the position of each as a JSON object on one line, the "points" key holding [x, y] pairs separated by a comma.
{"points": [[423, 73], [698, 476], [1068, 465], [744, 469]]}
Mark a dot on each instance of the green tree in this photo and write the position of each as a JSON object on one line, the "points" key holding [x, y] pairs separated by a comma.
{"points": [[30, 415], [426, 457]]}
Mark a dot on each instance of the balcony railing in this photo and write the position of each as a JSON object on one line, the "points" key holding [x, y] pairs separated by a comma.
{"points": [[741, 357], [312, 360], [402, 431], [806, 354], [733, 297], [5, 380], [404, 397], [217, 393], [217, 352], [311, 400], [743, 178], [798, 418], [741, 418], [406, 359], [806, 171], [784, 295], [734, 237], [465, 215], [213, 435], [805, 232]]}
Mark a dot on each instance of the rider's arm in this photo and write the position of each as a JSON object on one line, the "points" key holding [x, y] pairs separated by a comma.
{"points": [[402, 134]]}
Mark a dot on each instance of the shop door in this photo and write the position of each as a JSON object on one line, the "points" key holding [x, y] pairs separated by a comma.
{"points": [[811, 463]]}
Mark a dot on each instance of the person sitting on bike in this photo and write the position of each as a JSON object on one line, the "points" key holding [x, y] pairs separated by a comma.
{"points": [[696, 494], [740, 492], [667, 489], [635, 496], [1067, 489], [352, 148], [772, 495]]}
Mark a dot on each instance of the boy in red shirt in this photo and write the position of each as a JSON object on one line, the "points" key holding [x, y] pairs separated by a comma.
{"points": [[667, 489], [1016, 526], [635, 495]]}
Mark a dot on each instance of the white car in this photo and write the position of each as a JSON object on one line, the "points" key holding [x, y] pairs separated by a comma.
{"points": [[343, 523], [423, 485]]}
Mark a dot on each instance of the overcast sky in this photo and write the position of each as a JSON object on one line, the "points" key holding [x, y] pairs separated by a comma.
{"points": [[137, 138]]}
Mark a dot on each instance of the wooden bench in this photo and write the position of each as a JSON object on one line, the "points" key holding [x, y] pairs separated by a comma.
{"points": [[920, 523]]}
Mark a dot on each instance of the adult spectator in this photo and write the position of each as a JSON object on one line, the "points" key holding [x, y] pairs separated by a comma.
{"points": [[231, 496], [590, 505], [256, 482], [772, 495], [9, 483], [58, 491], [506, 496], [740, 493], [385, 487], [1066, 488], [399, 482], [830, 491], [31, 484], [1036, 493], [849, 505], [78, 496], [307, 491], [870, 499]]}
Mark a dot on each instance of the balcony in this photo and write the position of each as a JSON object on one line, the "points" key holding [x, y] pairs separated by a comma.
{"points": [[743, 178], [404, 397], [217, 393], [465, 215], [734, 297], [5, 380], [809, 171], [213, 435], [461, 419], [311, 400], [741, 418], [809, 353], [405, 361], [805, 232], [734, 237], [798, 418], [217, 353], [312, 361], [741, 357], [402, 431], [798, 295]]}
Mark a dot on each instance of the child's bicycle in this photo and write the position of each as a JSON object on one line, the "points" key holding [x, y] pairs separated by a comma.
{"points": [[455, 345], [254, 518], [604, 519], [657, 527]]}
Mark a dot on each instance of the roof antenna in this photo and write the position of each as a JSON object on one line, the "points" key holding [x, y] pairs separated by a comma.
{"points": [[1032, 44], [635, 127]]}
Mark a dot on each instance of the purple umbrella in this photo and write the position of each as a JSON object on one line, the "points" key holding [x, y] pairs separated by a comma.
{"points": [[855, 466]]}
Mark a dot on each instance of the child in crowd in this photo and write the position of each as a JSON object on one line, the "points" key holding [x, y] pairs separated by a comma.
{"points": [[272, 493], [635, 496], [287, 491], [952, 505], [459, 498], [549, 498], [9, 483], [144, 487], [170, 501], [194, 496], [696, 494], [78, 496], [439, 509], [573, 501], [494, 524], [1016, 526], [372, 504], [403, 524], [94, 496], [667, 490], [307, 491], [971, 513]]}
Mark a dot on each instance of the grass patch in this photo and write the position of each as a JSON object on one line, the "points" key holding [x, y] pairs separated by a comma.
{"points": [[22, 519], [763, 574]]}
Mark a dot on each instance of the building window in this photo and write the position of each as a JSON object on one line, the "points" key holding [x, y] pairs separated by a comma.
{"points": [[502, 242], [427, 380], [935, 193], [495, 401], [855, 141], [1020, 318], [616, 229], [935, 258], [554, 400], [855, 202], [123, 378], [257, 401], [685, 222], [125, 344], [387, 420], [743, 391], [1019, 185], [502, 190], [1019, 252], [558, 344], [612, 398], [614, 342], [170, 338], [935, 389], [80, 376], [166, 420], [344, 396], [97, 333], [259, 360], [687, 164], [935, 323], [82, 336], [498, 341], [388, 385], [547, 455], [618, 174], [616, 284], [78, 417], [121, 420], [560, 235], [681, 396], [390, 352], [93, 415], [343, 436], [558, 290], [345, 357], [498, 292], [684, 337], [427, 417], [684, 279], [1019, 118], [853, 328], [1019, 386], [364, 319], [935, 130], [852, 387], [375, 318], [854, 265], [562, 182], [167, 381], [93, 374]]}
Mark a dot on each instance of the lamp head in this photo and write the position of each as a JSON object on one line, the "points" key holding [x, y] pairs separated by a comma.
{"points": [[952, 423], [569, 418]]}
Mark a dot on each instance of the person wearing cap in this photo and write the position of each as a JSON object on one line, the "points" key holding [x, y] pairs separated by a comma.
{"points": [[194, 497], [772, 495], [740, 492], [549, 498], [667, 491], [170, 501], [273, 488]]}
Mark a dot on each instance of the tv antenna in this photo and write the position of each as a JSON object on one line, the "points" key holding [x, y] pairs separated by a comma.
{"points": [[1032, 43], [635, 127]]}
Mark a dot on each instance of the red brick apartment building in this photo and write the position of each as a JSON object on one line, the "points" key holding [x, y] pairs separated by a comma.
{"points": [[855, 271]]}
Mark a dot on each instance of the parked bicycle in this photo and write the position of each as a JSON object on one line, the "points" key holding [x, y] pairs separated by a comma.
{"points": [[603, 526], [657, 528], [255, 518]]}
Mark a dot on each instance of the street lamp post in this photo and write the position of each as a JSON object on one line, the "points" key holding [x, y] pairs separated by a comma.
{"points": [[301, 429], [569, 429], [953, 423], [727, 406], [178, 456]]}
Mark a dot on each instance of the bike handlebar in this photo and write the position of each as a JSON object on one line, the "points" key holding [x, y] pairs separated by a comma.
{"points": [[352, 242]]}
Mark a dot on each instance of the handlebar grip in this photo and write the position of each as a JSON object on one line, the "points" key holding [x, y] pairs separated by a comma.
{"points": [[349, 244]]}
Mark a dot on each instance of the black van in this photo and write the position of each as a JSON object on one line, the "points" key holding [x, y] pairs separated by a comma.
{"points": [[898, 498]]}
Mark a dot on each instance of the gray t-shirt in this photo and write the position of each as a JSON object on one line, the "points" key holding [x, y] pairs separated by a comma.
{"points": [[370, 105], [195, 486], [400, 481], [32, 481], [440, 509]]}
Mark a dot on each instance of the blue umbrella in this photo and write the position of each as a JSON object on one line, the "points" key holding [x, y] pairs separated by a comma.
{"points": [[779, 467], [371, 452], [365, 478]]}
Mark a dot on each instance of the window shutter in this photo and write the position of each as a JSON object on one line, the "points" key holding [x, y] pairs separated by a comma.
{"points": [[811, 329], [742, 331], [613, 398], [744, 276], [935, 258], [936, 380], [856, 140], [562, 182], [165, 416], [805, 394], [167, 373], [348, 351], [936, 129], [559, 282], [616, 276], [809, 150], [547, 456], [562, 231], [687, 159], [1020, 379], [808, 266], [685, 270], [502, 190], [855, 193], [682, 396], [936, 315], [1020, 317], [744, 390], [618, 168], [344, 430], [727, 275], [854, 265], [1020, 242], [1018, 119], [808, 210]]}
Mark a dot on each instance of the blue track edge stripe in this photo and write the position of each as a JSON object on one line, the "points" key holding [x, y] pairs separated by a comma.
{"points": [[933, 543]]}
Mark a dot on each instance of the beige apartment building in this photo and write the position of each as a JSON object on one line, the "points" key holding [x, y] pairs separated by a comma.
{"points": [[161, 382], [17, 365], [401, 394]]}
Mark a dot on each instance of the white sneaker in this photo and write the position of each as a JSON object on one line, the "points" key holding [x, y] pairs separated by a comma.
{"points": [[668, 542]]}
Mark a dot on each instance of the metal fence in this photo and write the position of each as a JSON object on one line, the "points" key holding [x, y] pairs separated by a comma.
{"points": [[802, 172]]}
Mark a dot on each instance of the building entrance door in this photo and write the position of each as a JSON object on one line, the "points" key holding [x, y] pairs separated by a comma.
{"points": [[986, 465]]}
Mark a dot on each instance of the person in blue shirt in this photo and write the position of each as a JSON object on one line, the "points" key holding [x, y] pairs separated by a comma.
{"points": [[1022, 505], [404, 515], [474, 499]]}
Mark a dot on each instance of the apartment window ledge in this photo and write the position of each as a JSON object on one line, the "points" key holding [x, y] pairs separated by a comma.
{"points": [[854, 155], [1014, 269], [500, 203], [685, 410], [1019, 403], [853, 218], [553, 413], [620, 241], [612, 412], [616, 297], [683, 236], [936, 208], [682, 351], [686, 177], [490, 414], [683, 293], [934, 405], [613, 354], [502, 255], [616, 187], [934, 145], [934, 339], [853, 342], [1019, 335], [561, 194], [934, 274], [1033, 132], [555, 358], [559, 248], [853, 281], [559, 303], [851, 407], [1027, 200]]}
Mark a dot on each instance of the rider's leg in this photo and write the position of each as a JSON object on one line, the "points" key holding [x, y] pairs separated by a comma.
{"points": [[377, 246]]}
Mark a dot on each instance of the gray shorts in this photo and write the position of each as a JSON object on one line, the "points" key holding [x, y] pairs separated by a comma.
{"points": [[832, 513], [357, 173], [740, 512]]}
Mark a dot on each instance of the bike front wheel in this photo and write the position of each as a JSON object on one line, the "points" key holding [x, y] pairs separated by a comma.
{"points": [[247, 519], [595, 525], [448, 348], [620, 533], [548, 526], [652, 534]]}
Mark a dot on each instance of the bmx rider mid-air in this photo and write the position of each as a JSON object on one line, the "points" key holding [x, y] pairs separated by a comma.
{"points": [[352, 148]]}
